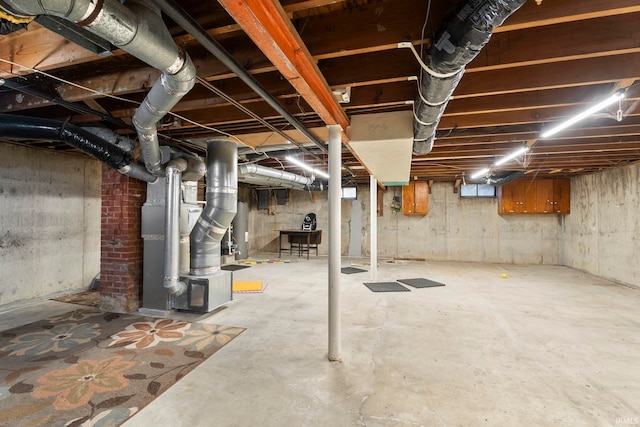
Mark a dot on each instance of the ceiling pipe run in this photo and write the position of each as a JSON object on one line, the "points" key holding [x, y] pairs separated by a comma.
{"points": [[20, 127], [460, 42], [138, 29]]}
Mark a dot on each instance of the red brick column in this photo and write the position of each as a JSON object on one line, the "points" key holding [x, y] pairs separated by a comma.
{"points": [[121, 244]]}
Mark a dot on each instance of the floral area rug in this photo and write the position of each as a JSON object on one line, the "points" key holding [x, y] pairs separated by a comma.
{"points": [[90, 368]]}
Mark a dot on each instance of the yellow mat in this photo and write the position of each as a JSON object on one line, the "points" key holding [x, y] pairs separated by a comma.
{"points": [[248, 287]]}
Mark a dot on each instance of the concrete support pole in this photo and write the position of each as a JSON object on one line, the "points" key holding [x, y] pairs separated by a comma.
{"points": [[373, 227], [335, 237]]}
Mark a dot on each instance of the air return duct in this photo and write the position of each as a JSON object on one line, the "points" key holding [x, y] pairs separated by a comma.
{"points": [[460, 42]]}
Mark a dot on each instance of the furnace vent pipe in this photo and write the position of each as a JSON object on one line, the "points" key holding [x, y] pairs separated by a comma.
{"points": [[172, 283], [459, 43], [30, 128], [220, 209], [138, 29]]}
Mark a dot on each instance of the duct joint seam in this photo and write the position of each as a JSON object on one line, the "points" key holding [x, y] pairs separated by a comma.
{"points": [[94, 9]]}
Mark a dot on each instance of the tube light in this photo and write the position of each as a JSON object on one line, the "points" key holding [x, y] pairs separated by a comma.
{"points": [[480, 173], [599, 106], [316, 172], [511, 156]]}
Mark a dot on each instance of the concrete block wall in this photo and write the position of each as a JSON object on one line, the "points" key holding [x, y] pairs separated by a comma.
{"points": [[603, 230], [121, 242], [455, 229], [49, 223]]}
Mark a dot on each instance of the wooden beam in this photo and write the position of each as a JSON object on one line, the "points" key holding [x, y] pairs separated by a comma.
{"points": [[269, 27]]}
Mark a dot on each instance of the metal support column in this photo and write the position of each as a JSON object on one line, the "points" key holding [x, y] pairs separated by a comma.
{"points": [[335, 236], [373, 232]]}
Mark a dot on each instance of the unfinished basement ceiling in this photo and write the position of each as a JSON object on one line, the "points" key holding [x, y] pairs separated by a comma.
{"points": [[546, 63]]}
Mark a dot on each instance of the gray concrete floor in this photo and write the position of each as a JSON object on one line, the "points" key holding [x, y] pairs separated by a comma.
{"points": [[545, 346]]}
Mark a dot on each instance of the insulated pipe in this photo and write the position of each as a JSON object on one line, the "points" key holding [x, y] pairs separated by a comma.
{"points": [[505, 179], [269, 175], [20, 127], [172, 283], [221, 206], [138, 29], [459, 43], [335, 246]]}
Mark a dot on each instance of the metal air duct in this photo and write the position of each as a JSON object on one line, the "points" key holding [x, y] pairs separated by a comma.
{"points": [[221, 206], [172, 283], [261, 175], [460, 42], [501, 180], [139, 30]]}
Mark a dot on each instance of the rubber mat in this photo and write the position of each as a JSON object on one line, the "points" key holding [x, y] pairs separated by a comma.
{"points": [[421, 283], [386, 287], [351, 270], [233, 267]]}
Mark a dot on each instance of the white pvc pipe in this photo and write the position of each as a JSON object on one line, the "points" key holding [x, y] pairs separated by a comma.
{"points": [[335, 236], [373, 232]]}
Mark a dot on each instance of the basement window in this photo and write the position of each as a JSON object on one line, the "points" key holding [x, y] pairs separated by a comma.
{"points": [[349, 193], [477, 190]]}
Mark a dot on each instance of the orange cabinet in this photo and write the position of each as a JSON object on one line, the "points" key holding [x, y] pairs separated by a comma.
{"points": [[541, 196], [415, 198]]}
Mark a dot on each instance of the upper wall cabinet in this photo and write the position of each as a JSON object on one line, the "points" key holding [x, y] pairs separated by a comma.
{"points": [[540, 196], [415, 198]]}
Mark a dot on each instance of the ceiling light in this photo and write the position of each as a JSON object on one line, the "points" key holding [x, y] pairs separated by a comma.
{"points": [[599, 106], [303, 165], [480, 173], [511, 156]]}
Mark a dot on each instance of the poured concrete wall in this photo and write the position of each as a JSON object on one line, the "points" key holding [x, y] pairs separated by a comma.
{"points": [[455, 229], [49, 223], [603, 230]]}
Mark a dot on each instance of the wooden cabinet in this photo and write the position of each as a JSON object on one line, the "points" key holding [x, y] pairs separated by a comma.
{"points": [[415, 198], [541, 196]]}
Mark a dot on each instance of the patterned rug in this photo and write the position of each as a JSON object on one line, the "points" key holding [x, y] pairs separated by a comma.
{"points": [[93, 368], [90, 298]]}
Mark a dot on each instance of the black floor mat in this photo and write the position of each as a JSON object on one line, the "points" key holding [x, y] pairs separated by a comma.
{"points": [[233, 267], [421, 283], [386, 287], [351, 270]]}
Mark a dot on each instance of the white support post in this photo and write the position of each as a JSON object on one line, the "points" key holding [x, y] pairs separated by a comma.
{"points": [[335, 237], [373, 227]]}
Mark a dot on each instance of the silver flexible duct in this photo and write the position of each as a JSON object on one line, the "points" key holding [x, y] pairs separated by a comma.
{"points": [[221, 207], [261, 175], [172, 283], [460, 42], [139, 30]]}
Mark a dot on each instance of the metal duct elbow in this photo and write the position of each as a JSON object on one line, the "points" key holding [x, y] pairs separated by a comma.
{"points": [[460, 42], [220, 208]]}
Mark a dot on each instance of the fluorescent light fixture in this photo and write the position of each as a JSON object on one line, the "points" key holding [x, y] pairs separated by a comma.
{"points": [[599, 106], [511, 156], [316, 172], [480, 173]]}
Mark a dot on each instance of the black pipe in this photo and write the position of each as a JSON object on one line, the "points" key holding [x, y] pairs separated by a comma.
{"points": [[30, 128], [70, 105]]}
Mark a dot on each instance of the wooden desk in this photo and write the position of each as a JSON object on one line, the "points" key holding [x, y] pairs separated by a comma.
{"points": [[304, 240]]}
